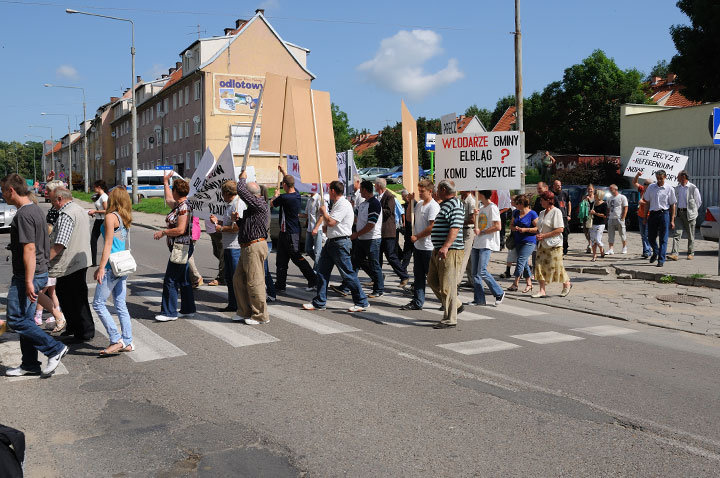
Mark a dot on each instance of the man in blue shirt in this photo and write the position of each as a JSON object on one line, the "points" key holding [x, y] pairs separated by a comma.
{"points": [[287, 249]]}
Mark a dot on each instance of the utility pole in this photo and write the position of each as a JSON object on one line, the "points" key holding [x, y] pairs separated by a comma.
{"points": [[519, 93]]}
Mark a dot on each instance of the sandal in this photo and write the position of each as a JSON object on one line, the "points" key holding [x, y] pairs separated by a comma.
{"points": [[214, 282], [565, 291], [128, 348], [538, 296], [113, 349], [512, 288], [527, 289], [59, 325]]}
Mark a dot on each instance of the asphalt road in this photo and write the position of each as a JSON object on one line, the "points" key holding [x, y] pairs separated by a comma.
{"points": [[518, 390]]}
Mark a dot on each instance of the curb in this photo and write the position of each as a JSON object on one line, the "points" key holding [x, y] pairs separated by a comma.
{"points": [[680, 280]]}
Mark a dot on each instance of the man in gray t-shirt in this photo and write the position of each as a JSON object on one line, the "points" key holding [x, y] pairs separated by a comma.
{"points": [[617, 211], [28, 239]]}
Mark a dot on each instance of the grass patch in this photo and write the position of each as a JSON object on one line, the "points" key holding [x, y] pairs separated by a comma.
{"points": [[82, 195], [667, 279], [152, 206], [698, 276]]}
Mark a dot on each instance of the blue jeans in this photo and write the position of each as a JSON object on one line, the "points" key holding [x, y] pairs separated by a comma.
{"points": [[646, 249], [117, 286], [524, 251], [658, 229], [369, 250], [337, 253], [230, 260], [480, 259], [421, 261], [269, 283], [177, 278], [20, 317], [313, 246]]}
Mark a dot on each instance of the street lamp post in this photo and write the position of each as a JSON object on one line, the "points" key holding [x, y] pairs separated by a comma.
{"points": [[70, 183], [33, 148], [84, 132], [133, 111], [52, 150]]}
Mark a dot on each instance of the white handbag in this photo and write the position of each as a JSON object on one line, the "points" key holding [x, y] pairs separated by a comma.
{"points": [[122, 263]]}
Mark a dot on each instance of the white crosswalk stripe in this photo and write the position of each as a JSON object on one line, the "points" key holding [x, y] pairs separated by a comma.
{"points": [[547, 337], [481, 346], [465, 316], [508, 309], [310, 321], [605, 330], [11, 356]]}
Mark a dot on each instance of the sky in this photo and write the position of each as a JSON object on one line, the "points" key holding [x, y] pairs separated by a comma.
{"points": [[439, 57]]}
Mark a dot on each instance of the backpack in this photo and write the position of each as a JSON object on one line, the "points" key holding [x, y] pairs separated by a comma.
{"points": [[12, 452]]}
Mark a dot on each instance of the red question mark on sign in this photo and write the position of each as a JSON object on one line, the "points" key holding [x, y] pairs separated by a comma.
{"points": [[505, 153]]}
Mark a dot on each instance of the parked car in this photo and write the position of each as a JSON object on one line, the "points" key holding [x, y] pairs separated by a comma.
{"points": [[633, 197], [396, 177], [390, 172], [371, 174], [710, 228], [275, 223], [7, 213], [41, 190]]}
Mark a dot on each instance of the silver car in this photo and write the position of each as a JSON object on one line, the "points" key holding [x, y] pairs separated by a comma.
{"points": [[7, 213]]}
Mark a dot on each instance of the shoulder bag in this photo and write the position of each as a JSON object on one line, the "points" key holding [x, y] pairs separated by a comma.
{"points": [[122, 263]]}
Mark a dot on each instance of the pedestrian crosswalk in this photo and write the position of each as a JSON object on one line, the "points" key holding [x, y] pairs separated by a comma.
{"points": [[152, 343]]}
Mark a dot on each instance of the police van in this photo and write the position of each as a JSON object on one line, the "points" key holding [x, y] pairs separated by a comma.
{"points": [[150, 181]]}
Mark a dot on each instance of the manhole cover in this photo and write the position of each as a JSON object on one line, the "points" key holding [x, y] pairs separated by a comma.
{"points": [[681, 298]]}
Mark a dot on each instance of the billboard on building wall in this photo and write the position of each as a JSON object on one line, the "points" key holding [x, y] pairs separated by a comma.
{"points": [[236, 94]]}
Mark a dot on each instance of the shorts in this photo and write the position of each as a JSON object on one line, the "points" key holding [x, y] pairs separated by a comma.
{"points": [[596, 235]]}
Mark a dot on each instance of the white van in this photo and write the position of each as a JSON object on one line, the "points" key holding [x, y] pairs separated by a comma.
{"points": [[150, 182]]}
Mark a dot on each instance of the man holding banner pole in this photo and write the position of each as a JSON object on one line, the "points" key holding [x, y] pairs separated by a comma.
{"points": [[661, 216]]}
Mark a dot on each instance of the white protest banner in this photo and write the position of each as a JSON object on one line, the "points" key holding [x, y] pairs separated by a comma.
{"points": [[448, 124], [208, 197], [206, 163], [648, 160], [293, 169], [479, 161]]}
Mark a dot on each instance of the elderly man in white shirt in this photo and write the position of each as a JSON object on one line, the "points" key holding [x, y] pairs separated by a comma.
{"points": [[338, 228], [661, 215], [688, 203]]}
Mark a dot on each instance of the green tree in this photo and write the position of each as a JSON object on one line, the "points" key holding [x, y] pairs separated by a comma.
{"points": [[661, 69], [697, 45], [388, 151], [341, 128], [483, 114]]}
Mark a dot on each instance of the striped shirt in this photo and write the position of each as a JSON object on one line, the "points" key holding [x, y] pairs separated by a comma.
{"points": [[254, 223], [451, 216]]}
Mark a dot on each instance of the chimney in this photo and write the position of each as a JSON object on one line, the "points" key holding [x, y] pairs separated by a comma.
{"points": [[228, 31], [671, 78], [138, 79], [178, 64], [240, 21], [113, 99], [261, 11], [170, 71], [655, 80], [163, 76]]}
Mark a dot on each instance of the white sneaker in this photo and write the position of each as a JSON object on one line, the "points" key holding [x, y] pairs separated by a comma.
{"points": [[310, 289], [164, 318], [19, 372], [311, 307], [237, 318], [53, 362], [624, 251], [192, 314], [357, 308], [609, 252], [500, 300], [250, 321]]}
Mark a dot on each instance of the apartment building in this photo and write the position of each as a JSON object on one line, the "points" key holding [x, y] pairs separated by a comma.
{"points": [[208, 100], [101, 152]]}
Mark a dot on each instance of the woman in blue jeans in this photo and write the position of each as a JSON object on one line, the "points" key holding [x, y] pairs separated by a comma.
{"points": [[487, 240], [180, 244], [114, 230], [524, 219]]}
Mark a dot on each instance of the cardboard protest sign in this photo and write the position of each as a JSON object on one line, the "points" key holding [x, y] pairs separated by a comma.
{"points": [[648, 161], [207, 198], [410, 149], [479, 161], [278, 121], [314, 135]]}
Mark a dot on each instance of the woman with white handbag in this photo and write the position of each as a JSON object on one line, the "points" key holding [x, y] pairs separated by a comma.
{"points": [[112, 277], [180, 243], [549, 231]]}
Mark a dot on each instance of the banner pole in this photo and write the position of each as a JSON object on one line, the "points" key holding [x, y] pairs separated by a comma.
{"points": [[252, 130], [477, 205], [282, 132], [317, 149]]}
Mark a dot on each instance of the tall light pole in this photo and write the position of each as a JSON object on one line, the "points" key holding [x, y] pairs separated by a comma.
{"points": [[84, 132], [52, 150], [133, 111], [519, 92], [33, 148], [70, 183]]}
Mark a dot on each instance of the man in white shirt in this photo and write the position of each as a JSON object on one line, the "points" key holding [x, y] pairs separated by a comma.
{"points": [[688, 203], [424, 214], [661, 215], [314, 237], [338, 228], [618, 207]]}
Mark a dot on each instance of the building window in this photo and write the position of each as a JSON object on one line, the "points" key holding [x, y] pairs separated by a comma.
{"points": [[174, 101], [197, 158], [174, 132], [196, 88], [187, 128], [152, 114], [239, 137], [166, 105], [166, 136], [187, 163], [159, 108], [197, 127], [187, 94], [180, 98]]}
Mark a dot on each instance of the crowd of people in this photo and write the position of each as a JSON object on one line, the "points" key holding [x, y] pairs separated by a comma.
{"points": [[448, 234]]}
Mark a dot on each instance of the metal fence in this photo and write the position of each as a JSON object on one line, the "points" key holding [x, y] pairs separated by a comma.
{"points": [[703, 166]]}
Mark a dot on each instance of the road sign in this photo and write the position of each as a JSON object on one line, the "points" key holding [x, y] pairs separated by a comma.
{"points": [[429, 141], [164, 167], [716, 126]]}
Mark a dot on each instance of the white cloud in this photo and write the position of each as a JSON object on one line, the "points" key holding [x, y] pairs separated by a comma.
{"points": [[398, 64], [67, 71]]}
